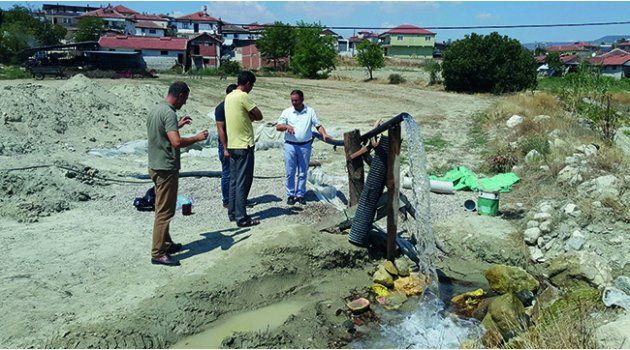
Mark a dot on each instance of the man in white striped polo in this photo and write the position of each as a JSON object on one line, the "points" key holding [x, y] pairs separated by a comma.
{"points": [[297, 122]]}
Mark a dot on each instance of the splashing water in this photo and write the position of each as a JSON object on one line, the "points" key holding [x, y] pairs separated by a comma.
{"points": [[428, 327], [421, 227]]}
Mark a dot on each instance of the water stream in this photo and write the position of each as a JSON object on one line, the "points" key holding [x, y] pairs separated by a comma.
{"points": [[427, 324]]}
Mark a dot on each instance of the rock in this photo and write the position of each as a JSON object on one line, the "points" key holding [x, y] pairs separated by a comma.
{"points": [[525, 296], [614, 335], [607, 186], [540, 242], [531, 235], [414, 284], [569, 208], [536, 255], [532, 223], [532, 156], [508, 279], [542, 216], [404, 267], [541, 118], [616, 297], [569, 175], [544, 300], [576, 241], [573, 160], [392, 301], [545, 226], [579, 268], [379, 289], [359, 305], [544, 168], [482, 308], [514, 121], [506, 315], [623, 283], [588, 150], [546, 208], [381, 276], [465, 304], [390, 267], [622, 139], [558, 143]]}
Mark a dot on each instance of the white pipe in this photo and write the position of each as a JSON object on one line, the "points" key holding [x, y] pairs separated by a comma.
{"points": [[445, 187]]}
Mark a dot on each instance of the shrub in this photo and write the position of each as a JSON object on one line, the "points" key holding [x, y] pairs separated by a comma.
{"points": [[12, 72], [396, 79], [229, 67], [538, 143], [488, 63], [435, 70], [370, 56], [502, 160]]}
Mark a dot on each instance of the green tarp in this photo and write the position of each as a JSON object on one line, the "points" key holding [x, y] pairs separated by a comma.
{"points": [[463, 179]]}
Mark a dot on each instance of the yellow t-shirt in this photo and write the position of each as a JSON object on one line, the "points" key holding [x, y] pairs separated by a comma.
{"points": [[240, 132]]}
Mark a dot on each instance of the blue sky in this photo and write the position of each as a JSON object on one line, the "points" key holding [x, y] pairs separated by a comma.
{"points": [[421, 13]]}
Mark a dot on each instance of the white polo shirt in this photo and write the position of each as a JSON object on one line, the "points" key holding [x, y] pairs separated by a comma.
{"points": [[301, 121]]}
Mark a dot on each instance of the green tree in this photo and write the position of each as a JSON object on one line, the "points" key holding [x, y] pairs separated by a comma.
{"points": [[488, 63], [277, 42], [314, 53], [539, 51], [555, 64], [370, 56], [19, 30], [89, 29]]}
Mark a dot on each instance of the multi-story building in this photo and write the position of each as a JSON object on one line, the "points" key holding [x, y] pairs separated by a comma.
{"points": [[65, 15], [196, 23], [408, 41]]}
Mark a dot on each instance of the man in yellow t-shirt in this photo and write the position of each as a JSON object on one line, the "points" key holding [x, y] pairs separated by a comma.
{"points": [[240, 111]]}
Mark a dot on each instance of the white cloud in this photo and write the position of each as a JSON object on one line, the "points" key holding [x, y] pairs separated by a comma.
{"points": [[241, 11], [484, 15]]}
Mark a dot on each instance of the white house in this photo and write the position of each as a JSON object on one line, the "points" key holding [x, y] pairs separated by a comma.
{"points": [[195, 24]]}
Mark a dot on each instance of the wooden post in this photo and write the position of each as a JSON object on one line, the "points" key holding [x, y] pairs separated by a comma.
{"points": [[352, 143], [393, 188]]}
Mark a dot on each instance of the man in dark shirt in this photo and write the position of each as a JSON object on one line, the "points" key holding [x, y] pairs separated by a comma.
{"points": [[224, 155]]}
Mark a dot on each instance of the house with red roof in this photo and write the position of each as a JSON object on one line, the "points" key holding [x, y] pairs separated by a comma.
{"points": [[581, 49], [196, 23], [162, 53], [408, 41], [624, 45], [615, 63], [114, 19], [149, 28]]}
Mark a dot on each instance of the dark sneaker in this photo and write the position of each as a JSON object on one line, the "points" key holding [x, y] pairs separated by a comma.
{"points": [[164, 260], [291, 200], [174, 248], [301, 200], [225, 205]]}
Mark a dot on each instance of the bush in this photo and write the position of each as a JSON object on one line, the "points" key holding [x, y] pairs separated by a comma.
{"points": [[488, 63], [229, 67], [396, 79], [435, 69], [502, 160], [538, 143], [12, 72]]}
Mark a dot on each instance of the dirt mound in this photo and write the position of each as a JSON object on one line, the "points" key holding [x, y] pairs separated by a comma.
{"points": [[36, 117], [28, 196]]}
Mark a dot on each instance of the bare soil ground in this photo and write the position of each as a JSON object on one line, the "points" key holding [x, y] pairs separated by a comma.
{"points": [[76, 269]]}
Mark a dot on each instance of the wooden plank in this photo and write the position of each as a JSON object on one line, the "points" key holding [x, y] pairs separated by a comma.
{"points": [[352, 143], [393, 188]]}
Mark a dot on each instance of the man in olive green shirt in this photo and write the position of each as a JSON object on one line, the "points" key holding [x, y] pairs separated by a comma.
{"points": [[164, 143], [240, 111]]}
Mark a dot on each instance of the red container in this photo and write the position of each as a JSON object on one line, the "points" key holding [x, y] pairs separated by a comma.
{"points": [[186, 209]]}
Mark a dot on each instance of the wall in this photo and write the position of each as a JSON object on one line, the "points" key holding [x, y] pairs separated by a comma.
{"points": [[160, 63], [188, 28], [146, 32], [409, 40], [401, 51]]}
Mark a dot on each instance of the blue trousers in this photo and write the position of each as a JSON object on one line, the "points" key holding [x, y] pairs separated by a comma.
{"points": [[225, 175], [296, 159]]}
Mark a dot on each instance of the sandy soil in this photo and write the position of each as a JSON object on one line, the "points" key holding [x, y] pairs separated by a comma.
{"points": [[76, 270]]}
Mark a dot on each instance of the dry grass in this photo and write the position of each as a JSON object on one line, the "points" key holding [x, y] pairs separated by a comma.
{"points": [[526, 105], [621, 98], [612, 160], [566, 324]]}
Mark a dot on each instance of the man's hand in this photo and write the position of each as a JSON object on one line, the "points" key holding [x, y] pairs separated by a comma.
{"points": [[202, 135], [290, 130], [186, 120], [226, 153], [325, 136]]}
